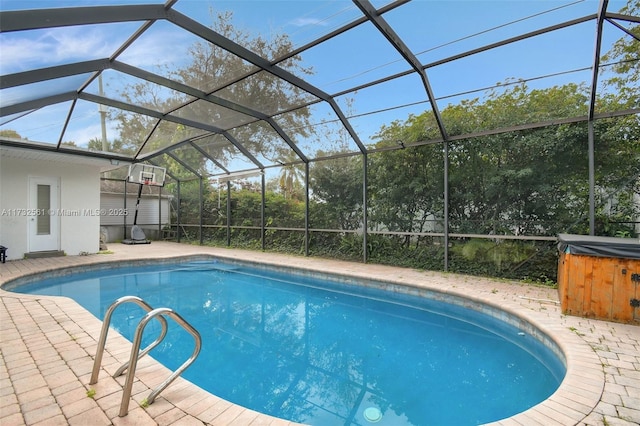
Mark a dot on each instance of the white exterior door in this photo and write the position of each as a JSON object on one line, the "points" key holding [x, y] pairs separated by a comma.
{"points": [[44, 222]]}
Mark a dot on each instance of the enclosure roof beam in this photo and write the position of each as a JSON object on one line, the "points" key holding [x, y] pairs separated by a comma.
{"points": [[244, 53], [338, 31], [35, 19], [189, 90], [517, 128], [512, 40], [223, 133], [66, 121], [144, 27], [242, 149], [317, 41], [37, 103], [212, 36], [468, 53], [180, 87], [596, 57], [172, 147], [147, 111], [183, 164], [51, 73], [167, 172], [623, 28], [171, 118], [287, 139], [48, 18], [381, 24], [620, 17], [206, 154]]}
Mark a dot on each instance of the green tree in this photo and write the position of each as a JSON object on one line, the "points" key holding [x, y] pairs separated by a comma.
{"points": [[210, 69], [525, 182], [617, 139], [406, 185], [624, 61], [406, 189], [9, 133], [291, 178], [336, 186], [521, 181], [117, 146]]}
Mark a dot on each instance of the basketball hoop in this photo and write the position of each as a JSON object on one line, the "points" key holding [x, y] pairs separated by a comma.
{"points": [[143, 174], [146, 174]]}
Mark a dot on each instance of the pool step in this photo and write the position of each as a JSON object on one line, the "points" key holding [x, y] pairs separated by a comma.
{"points": [[44, 254]]}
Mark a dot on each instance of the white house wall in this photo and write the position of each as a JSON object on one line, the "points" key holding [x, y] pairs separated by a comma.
{"points": [[150, 211], [152, 214], [79, 207]]}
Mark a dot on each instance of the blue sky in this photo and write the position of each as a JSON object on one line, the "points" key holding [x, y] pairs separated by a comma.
{"points": [[433, 29]]}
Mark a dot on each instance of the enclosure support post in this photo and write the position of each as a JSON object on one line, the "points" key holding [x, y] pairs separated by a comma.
{"points": [[178, 215], [160, 212], [306, 209], [262, 212], [228, 213], [200, 210], [602, 11], [592, 181], [365, 225], [446, 205], [124, 217]]}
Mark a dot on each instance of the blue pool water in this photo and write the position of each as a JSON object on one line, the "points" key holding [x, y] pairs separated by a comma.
{"points": [[325, 352]]}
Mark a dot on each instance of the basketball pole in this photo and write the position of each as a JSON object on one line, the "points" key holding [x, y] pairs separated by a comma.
{"points": [[135, 217]]}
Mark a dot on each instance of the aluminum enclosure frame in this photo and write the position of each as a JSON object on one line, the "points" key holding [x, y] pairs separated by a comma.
{"points": [[15, 21]]}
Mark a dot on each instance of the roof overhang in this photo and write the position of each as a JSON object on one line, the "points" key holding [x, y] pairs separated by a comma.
{"points": [[62, 158]]}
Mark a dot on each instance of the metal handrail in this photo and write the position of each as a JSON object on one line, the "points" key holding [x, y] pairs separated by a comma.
{"points": [[135, 350], [105, 330], [133, 360]]}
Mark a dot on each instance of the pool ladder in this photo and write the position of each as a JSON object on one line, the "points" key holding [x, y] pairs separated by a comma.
{"points": [[130, 365]]}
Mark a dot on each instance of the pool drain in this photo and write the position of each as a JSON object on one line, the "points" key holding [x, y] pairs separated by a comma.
{"points": [[372, 415]]}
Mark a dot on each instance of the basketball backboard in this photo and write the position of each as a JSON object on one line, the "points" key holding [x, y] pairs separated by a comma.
{"points": [[146, 174]]}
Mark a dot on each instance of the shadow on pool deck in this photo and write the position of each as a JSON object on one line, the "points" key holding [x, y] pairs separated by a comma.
{"points": [[47, 346]]}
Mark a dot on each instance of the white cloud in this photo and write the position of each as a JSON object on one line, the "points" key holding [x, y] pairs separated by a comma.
{"points": [[303, 22], [19, 54], [79, 44], [83, 135], [161, 49], [37, 49]]}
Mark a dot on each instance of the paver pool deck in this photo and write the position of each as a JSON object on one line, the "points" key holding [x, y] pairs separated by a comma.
{"points": [[47, 345]]}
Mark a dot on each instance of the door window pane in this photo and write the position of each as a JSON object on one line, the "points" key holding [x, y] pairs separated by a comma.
{"points": [[43, 220]]}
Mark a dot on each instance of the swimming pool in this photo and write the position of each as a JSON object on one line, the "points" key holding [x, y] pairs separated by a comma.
{"points": [[341, 358]]}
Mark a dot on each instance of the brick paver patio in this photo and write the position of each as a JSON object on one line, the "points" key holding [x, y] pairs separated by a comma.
{"points": [[47, 346]]}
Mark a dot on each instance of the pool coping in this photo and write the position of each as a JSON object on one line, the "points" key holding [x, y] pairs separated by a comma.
{"points": [[575, 399]]}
